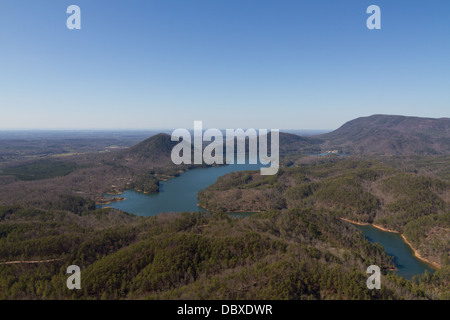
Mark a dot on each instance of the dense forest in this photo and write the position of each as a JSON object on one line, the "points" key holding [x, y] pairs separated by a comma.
{"points": [[362, 191], [290, 254]]}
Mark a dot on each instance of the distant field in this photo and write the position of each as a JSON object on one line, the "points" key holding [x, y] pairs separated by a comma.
{"points": [[38, 144], [40, 170]]}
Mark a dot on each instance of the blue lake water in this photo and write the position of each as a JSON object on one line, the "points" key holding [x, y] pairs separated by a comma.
{"points": [[177, 194], [407, 264]]}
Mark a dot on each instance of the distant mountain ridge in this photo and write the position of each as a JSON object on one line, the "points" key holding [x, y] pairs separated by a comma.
{"points": [[372, 135], [390, 135]]}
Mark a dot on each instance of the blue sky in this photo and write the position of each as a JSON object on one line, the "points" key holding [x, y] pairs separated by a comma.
{"points": [[285, 64]]}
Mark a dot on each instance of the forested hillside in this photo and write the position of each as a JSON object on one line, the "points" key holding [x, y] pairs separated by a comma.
{"points": [[391, 135], [294, 254], [363, 191]]}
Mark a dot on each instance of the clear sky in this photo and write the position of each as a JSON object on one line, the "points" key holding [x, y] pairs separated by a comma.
{"points": [[286, 64]]}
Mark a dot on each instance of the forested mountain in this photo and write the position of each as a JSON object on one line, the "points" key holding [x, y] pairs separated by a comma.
{"points": [[376, 135], [291, 143], [155, 150], [390, 135]]}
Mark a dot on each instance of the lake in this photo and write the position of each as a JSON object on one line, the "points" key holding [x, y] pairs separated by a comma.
{"points": [[177, 194], [180, 195], [407, 264]]}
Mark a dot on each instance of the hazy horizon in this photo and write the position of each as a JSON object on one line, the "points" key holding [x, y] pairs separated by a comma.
{"points": [[169, 129]]}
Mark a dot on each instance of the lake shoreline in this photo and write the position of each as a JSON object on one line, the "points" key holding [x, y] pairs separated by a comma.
{"points": [[435, 265], [432, 264], [109, 201]]}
